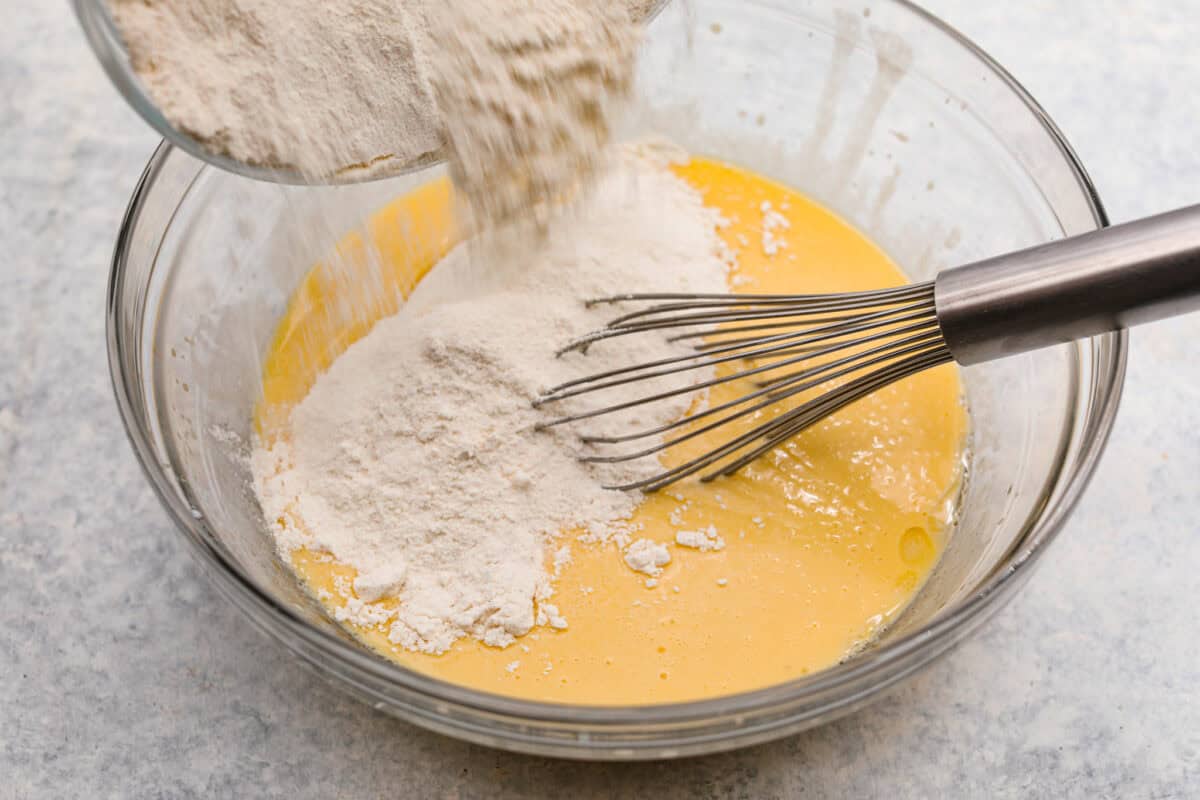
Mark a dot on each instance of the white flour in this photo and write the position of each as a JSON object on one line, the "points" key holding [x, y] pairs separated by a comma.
{"points": [[647, 556], [527, 89], [320, 87], [703, 540], [413, 460]]}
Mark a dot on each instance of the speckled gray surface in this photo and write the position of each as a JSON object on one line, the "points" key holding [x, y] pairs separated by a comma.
{"points": [[122, 673]]}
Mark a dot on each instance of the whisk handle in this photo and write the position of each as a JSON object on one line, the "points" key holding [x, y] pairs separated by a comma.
{"points": [[1072, 288]]}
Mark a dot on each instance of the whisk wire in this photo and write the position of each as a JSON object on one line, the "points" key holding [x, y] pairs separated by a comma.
{"points": [[782, 428], [800, 308], [737, 350], [774, 390], [855, 343], [796, 384]]}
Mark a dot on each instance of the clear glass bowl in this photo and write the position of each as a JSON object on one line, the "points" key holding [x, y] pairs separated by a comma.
{"points": [[874, 108], [105, 39]]}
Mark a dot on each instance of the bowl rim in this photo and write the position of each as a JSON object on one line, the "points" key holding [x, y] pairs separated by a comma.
{"points": [[936, 637]]}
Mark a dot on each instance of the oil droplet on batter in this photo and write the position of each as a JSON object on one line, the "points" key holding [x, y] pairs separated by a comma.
{"points": [[907, 582], [916, 547]]}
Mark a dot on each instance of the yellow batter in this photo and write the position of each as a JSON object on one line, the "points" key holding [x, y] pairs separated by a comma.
{"points": [[825, 541]]}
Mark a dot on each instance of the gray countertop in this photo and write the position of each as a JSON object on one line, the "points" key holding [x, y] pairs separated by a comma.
{"points": [[125, 674]]}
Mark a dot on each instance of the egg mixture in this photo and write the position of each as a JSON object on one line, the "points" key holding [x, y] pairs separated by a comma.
{"points": [[824, 541]]}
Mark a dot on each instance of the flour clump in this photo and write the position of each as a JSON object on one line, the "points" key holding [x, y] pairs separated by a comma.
{"points": [[647, 556]]}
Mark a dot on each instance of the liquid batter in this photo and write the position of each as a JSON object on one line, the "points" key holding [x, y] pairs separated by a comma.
{"points": [[826, 540]]}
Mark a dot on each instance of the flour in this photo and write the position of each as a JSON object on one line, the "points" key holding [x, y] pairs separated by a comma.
{"points": [[527, 89], [648, 556], [323, 88], [702, 540], [772, 222], [413, 459], [318, 87]]}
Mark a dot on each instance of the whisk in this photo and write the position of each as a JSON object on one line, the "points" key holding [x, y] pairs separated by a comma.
{"points": [[842, 347]]}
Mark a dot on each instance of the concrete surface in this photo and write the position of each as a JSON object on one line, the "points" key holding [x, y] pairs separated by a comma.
{"points": [[123, 674]]}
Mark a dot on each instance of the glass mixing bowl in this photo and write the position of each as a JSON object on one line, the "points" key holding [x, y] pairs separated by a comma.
{"points": [[874, 108]]}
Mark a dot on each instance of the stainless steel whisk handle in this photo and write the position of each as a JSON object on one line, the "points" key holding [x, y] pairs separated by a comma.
{"points": [[1072, 288]]}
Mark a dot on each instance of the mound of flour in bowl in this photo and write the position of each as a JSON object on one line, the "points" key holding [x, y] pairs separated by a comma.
{"points": [[413, 459]]}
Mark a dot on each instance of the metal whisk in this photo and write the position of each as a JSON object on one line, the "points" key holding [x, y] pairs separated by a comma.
{"points": [[843, 347]]}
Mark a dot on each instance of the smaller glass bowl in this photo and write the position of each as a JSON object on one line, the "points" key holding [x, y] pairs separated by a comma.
{"points": [[874, 108], [102, 34], [105, 39]]}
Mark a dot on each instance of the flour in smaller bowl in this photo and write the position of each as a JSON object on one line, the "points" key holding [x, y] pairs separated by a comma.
{"points": [[344, 89]]}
